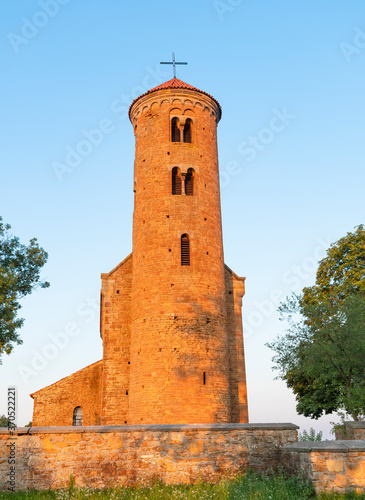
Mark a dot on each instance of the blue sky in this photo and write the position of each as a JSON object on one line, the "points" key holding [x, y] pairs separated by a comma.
{"points": [[290, 80]]}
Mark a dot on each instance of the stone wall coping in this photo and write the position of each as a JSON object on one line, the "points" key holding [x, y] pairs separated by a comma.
{"points": [[355, 425], [150, 428], [343, 446]]}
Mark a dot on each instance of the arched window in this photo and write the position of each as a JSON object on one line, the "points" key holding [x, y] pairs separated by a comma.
{"points": [[78, 416], [176, 181], [189, 182], [175, 130], [185, 250], [187, 130]]}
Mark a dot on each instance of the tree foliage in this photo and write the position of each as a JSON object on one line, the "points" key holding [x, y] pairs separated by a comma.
{"points": [[312, 435], [19, 275], [321, 357], [4, 421]]}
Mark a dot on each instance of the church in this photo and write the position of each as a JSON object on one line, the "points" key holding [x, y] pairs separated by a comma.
{"points": [[170, 312]]}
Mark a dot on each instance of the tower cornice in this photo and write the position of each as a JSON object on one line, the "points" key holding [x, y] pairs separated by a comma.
{"points": [[172, 89]]}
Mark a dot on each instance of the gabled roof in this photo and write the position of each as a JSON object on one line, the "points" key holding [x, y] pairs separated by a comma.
{"points": [[104, 275], [67, 376], [175, 83]]}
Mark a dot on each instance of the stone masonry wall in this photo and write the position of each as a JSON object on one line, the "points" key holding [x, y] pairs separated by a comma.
{"points": [[119, 455], [355, 430], [331, 465], [55, 404]]}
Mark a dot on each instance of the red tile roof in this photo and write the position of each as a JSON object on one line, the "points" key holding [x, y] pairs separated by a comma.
{"points": [[175, 83]]}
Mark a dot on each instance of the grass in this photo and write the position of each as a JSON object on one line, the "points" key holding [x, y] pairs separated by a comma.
{"points": [[250, 486]]}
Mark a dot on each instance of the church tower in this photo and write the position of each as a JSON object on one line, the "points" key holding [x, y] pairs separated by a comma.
{"points": [[170, 312], [185, 367]]}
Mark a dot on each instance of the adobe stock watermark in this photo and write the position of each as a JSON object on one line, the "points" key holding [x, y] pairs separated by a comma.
{"points": [[356, 46], [94, 137], [87, 311], [254, 144], [295, 277], [223, 7], [30, 28], [11, 443]]}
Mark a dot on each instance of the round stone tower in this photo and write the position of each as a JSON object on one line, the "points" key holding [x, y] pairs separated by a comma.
{"points": [[179, 351]]}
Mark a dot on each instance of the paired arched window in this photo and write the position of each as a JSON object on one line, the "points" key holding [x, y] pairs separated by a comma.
{"points": [[176, 181], [184, 135], [78, 416], [180, 181], [185, 250]]}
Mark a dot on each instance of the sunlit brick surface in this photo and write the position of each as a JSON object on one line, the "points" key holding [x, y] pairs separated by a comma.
{"points": [[172, 333], [180, 335], [55, 404], [115, 325]]}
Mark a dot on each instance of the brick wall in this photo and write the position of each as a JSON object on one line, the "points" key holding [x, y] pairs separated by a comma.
{"points": [[115, 324], [180, 350], [54, 405], [330, 465], [107, 456], [235, 290], [172, 334]]}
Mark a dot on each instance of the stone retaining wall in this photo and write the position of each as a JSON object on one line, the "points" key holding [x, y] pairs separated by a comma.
{"points": [[331, 465], [118, 455], [355, 430]]}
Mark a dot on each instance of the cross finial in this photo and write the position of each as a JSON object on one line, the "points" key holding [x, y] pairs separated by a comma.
{"points": [[174, 63]]}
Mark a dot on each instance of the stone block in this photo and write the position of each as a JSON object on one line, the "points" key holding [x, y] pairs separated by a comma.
{"points": [[335, 465], [341, 481], [196, 446]]}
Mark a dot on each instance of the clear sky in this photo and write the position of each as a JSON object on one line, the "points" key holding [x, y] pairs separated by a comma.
{"points": [[290, 79]]}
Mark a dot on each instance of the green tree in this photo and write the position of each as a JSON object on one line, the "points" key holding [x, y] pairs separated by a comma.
{"points": [[321, 357], [4, 421], [311, 435], [19, 275]]}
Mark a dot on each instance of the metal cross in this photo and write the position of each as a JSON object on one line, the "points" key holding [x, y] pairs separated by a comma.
{"points": [[174, 63]]}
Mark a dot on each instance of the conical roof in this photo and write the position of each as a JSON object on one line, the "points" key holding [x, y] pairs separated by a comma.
{"points": [[175, 83]]}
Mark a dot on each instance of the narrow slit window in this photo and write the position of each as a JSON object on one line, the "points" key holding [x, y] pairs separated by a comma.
{"points": [[176, 181], [78, 416], [204, 378], [175, 130], [189, 182], [187, 130], [101, 313], [185, 250]]}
